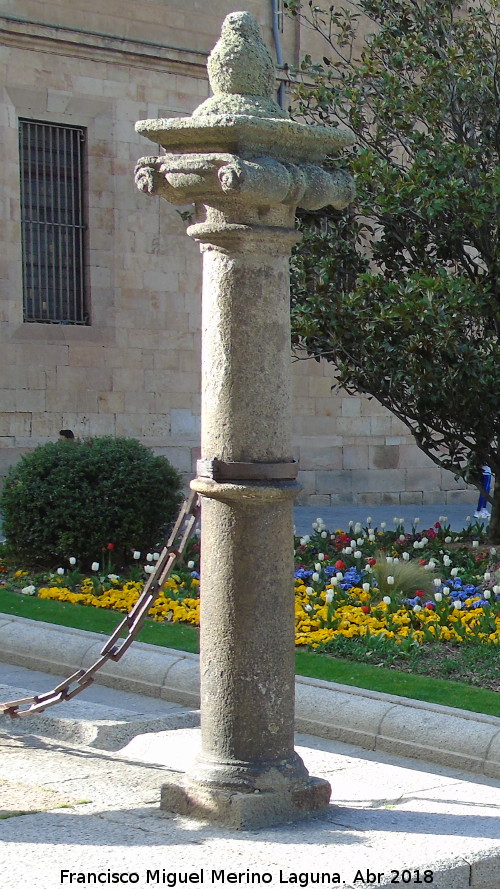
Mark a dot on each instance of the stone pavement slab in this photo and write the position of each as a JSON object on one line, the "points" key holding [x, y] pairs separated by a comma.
{"points": [[372, 720], [391, 822]]}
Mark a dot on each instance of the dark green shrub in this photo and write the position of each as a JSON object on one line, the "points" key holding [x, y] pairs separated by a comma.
{"points": [[73, 499]]}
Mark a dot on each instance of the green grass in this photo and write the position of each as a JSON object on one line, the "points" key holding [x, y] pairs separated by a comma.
{"points": [[96, 620], [312, 664]]}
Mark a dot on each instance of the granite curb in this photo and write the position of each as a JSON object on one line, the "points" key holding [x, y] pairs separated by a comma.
{"points": [[370, 720]]}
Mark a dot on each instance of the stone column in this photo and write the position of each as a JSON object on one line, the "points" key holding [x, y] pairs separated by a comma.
{"points": [[246, 166]]}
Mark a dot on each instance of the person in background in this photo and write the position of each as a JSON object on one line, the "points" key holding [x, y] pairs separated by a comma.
{"points": [[481, 510]]}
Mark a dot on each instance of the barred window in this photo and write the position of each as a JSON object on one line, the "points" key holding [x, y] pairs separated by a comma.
{"points": [[53, 222]]}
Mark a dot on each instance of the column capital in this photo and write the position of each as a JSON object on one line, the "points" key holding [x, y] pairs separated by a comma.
{"points": [[221, 179]]}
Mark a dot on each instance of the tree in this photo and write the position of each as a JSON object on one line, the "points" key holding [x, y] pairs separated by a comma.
{"points": [[402, 292]]}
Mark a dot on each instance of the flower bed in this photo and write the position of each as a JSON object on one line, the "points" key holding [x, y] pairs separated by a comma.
{"points": [[403, 588]]}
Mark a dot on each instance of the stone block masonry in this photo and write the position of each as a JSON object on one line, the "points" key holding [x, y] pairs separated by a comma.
{"points": [[143, 274]]}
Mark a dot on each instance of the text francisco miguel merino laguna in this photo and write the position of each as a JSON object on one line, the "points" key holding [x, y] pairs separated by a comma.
{"points": [[213, 877]]}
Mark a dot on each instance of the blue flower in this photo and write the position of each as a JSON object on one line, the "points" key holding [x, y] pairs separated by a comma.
{"points": [[303, 574]]}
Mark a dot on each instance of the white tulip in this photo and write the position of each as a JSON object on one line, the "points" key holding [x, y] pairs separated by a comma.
{"points": [[60, 571], [95, 566], [72, 560], [387, 600]]}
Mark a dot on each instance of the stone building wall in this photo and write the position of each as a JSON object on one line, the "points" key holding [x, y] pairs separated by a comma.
{"points": [[134, 370]]}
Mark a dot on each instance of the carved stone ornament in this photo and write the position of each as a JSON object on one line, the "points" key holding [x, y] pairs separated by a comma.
{"points": [[240, 142]]}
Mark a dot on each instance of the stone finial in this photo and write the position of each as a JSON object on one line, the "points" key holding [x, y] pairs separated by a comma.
{"points": [[240, 62], [241, 72]]}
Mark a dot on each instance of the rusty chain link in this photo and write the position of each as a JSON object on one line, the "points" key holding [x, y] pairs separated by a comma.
{"points": [[115, 647]]}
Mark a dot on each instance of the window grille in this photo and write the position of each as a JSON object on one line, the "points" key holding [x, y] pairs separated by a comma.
{"points": [[52, 222]]}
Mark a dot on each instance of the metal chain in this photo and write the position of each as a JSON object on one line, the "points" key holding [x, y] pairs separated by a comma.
{"points": [[115, 647]]}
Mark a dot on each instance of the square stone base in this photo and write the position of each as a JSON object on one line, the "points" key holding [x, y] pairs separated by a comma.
{"points": [[245, 811]]}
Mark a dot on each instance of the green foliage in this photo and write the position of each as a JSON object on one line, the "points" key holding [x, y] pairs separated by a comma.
{"points": [[70, 499], [414, 317], [408, 577]]}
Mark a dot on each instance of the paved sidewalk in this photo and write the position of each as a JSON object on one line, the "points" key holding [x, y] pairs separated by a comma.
{"points": [[372, 720], [67, 808], [457, 516]]}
